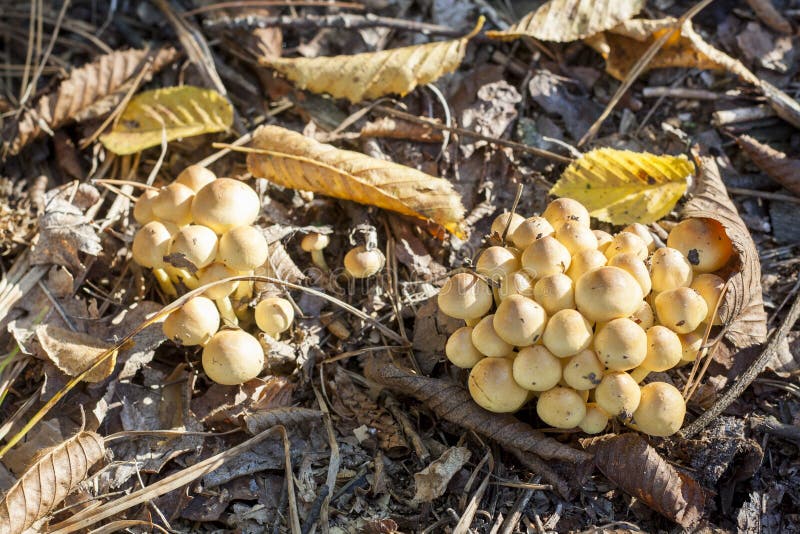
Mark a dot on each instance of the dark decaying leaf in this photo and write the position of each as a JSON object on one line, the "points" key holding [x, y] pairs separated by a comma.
{"points": [[49, 481], [633, 465], [773, 162], [64, 233], [452, 402], [258, 422], [432, 481], [743, 306], [770, 16], [83, 94]]}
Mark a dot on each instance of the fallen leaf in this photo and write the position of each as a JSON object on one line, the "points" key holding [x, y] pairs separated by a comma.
{"points": [[86, 93], [773, 162], [176, 112], [570, 20], [64, 233], [374, 74], [550, 92], [633, 465], [770, 16], [432, 481], [293, 160], [46, 434], [42, 488], [74, 352], [623, 187], [764, 49], [492, 113]]}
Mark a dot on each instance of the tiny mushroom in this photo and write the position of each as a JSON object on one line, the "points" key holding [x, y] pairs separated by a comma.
{"points": [[225, 204], [195, 177], [195, 244], [661, 410], [220, 293], [232, 357], [519, 320], [315, 243], [174, 204], [562, 210], [460, 350], [362, 263], [618, 394], [561, 407], [143, 209], [536, 368], [193, 323], [607, 293], [681, 309], [492, 386], [704, 242], [465, 296], [150, 245], [274, 315]]}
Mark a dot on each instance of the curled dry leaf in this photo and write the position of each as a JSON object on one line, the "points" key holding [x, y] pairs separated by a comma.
{"points": [[374, 74], [570, 20], [64, 233], [74, 352], [633, 465], [770, 16], [623, 187], [782, 169], [432, 481], [174, 112], [452, 402], [88, 92], [56, 473], [293, 160]]}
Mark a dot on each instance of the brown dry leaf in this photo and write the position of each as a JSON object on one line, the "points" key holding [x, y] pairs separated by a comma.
{"points": [[770, 16], [64, 233], [56, 473], [783, 170], [743, 306], [432, 481], [293, 160], [74, 352], [88, 92], [452, 402], [374, 74], [570, 20], [633, 465]]}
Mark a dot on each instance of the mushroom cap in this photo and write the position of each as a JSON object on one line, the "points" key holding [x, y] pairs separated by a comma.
{"points": [[576, 236], [661, 410], [506, 219], [362, 263], [460, 350], [583, 371], [554, 293], [618, 394], [566, 209], [519, 320], [529, 230], [681, 309], [634, 266], [193, 323], [626, 242], [492, 386], [664, 349], [274, 315], [704, 242], [150, 245], [197, 244], [496, 263], [584, 261], [174, 204], [517, 283], [143, 209], [669, 269], [225, 204], [212, 273], [709, 286], [465, 296], [595, 420], [536, 368], [603, 239], [561, 407], [243, 249], [642, 231], [232, 357], [546, 256], [644, 316], [691, 343], [567, 333], [607, 293], [314, 241], [486, 339], [195, 177], [621, 344]]}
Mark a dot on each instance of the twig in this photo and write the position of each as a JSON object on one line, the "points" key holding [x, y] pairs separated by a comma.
{"points": [[683, 92], [469, 512], [763, 194], [747, 377], [397, 411], [736, 115], [333, 463], [270, 3], [771, 425], [513, 517]]}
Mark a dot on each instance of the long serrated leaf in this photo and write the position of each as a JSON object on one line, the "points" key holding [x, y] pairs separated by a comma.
{"points": [[293, 160], [176, 112], [622, 187], [374, 74]]}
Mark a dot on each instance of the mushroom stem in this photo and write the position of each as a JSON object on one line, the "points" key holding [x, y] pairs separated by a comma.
{"points": [[319, 260], [226, 311], [639, 374], [165, 283], [188, 279], [245, 287]]}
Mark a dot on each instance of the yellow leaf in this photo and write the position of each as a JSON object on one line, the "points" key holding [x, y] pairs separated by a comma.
{"points": [[570, 20], [623, 187], [374, 74], [293, 160], [182, 111], [74, 352]]}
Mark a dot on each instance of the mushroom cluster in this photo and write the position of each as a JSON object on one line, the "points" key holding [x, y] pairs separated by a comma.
{"points": [[196, 231], [577, 318]]}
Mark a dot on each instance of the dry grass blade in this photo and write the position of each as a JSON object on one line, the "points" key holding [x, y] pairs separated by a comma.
{"points": [[374, 74], [48, 481], [453, 403], [293, 160], [84, 94], [629, 462], [783, 170], [570, 20]]}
